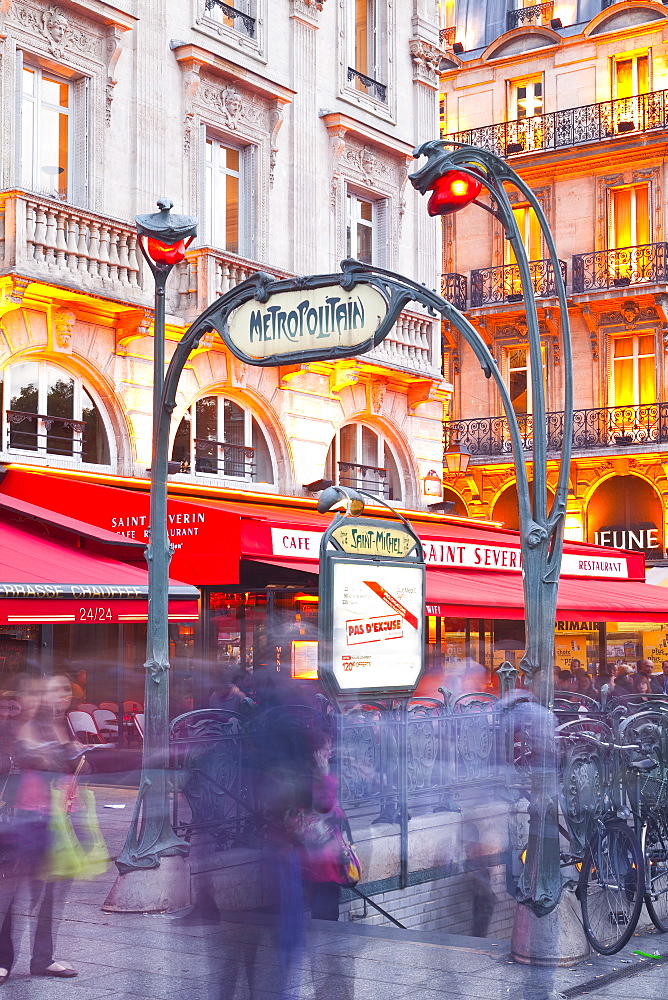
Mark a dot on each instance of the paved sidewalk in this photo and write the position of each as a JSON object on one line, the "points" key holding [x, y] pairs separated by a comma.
{"points": [[137, 957]]}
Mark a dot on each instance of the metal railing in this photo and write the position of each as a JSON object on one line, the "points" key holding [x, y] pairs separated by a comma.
{"points": [[446, 36], [646, 264], [603, 427], [232, 13], [218, 458], [371, 86], [540, 13], [571, 127], [37, 432], [454, 288], [502, 284], [364, 477]]}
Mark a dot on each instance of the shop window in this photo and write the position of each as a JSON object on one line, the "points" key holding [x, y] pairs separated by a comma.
{"points": [[526, 98], [217, 437], [625, 512], [228, 174], [366, 58], [633, 368], [52, 154], [361, 458], [366, 229], [47, 411]]}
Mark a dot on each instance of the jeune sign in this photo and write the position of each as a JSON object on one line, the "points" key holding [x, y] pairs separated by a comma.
{"points": [[310, 321]]}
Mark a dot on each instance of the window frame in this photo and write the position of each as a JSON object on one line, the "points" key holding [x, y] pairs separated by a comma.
{"points": [[634, 56], [612, 243], [525, 81], [39, 105], [378, 224], [635, 336], [249, 417], [80, 386], [246, 186], [507, 349], [382, 70], [382, 443]]}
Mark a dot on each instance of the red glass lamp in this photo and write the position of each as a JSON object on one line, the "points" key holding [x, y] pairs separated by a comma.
{"points": [[166, 253], [453, 191]]}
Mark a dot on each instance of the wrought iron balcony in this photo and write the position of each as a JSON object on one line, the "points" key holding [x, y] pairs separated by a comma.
{"points": [[364, 477], [367, 84], [232, 14], [539, 14], [39, 432], [605, 427], [218, 458], [502, 284], [446, 36], [454, 289], [643, 265], [572, 127]]}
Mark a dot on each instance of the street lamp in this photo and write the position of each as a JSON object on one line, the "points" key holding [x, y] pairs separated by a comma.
{"points": [[455, 174], [163, 239], [457, 458]]}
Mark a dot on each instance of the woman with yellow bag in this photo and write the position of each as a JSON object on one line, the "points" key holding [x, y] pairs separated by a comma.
{"points": [[46, 800]]}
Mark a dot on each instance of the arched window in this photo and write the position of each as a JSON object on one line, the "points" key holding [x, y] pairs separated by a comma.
{"points": [[217, 437], [361, 458], [48, 411]]}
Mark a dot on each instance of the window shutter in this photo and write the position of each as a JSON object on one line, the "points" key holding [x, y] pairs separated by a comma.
{"points": [[81, 151], [247, 207], [203, 209], [18, 166], [382, 247]]}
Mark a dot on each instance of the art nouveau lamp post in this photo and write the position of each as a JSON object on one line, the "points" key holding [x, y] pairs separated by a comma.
{"points": [[454, 176], [164, 239]]}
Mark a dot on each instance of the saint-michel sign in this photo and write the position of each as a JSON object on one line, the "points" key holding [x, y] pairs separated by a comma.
{"points": [[321, 317]]}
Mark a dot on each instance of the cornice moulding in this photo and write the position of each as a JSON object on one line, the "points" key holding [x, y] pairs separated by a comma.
{"points": [[188, 55], [335, 122]]}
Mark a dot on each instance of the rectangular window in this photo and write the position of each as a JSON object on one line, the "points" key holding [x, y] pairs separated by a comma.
{"points": [[229, 14], [527, 222], [630, 75], [223, 193], [366, 229], [629, 218], [518, 377], [46, 133], [526, 98], [633, 370], [366, 59]]}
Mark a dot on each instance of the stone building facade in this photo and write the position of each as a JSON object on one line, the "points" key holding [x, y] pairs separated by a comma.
{"points": [[575, 98], [287, 129]]}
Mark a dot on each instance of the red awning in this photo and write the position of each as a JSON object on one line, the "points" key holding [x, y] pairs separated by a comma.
{"points": [[43, 580], [497, 595]]}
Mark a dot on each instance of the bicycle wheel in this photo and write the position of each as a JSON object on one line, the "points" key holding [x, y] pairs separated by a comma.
{"points": [[611, 887], [656, 861]]}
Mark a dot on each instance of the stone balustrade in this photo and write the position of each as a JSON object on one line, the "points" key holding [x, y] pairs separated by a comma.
{"points": [[413, 344], [49, 241]]}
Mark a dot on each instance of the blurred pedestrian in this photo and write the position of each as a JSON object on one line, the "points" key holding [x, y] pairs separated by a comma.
{"points": [[659, 683]]}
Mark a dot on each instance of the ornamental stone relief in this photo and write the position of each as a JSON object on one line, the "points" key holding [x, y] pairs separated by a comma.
{"points": [[237, 110], [60, 33], [426, 59]]}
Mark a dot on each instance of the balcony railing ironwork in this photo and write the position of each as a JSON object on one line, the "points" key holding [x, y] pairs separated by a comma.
{"points": [[538, 14], [231, 12], [39, 432], [642, 265], [218, 458], [454, 289], [502, 284], [571, 127], [367, 83], [604, 427], [446, 36], [364, 477]]}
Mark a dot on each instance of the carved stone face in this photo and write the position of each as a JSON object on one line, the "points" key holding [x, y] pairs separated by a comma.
{"points": [[58, 28], [368, 160], [231, 103], [63, 323]]}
